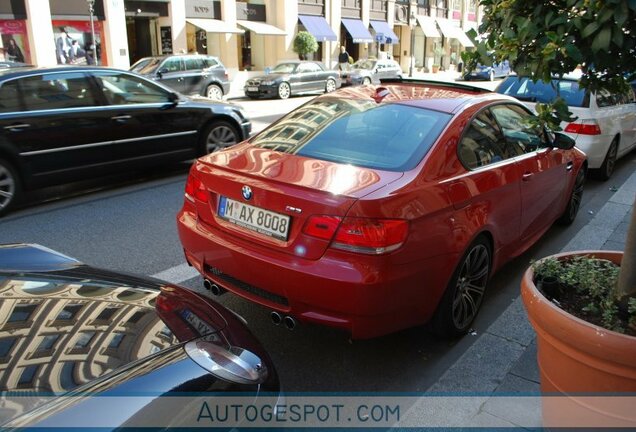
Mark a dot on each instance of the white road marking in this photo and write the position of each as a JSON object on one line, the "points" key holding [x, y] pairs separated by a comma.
{"points": [[177, 274]]}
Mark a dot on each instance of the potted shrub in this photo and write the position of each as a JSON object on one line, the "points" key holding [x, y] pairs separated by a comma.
{"points": [[435, 68], [304, 44], [585, 322]]}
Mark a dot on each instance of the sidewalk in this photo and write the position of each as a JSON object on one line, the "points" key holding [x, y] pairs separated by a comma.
{"points": [[508, 347]]}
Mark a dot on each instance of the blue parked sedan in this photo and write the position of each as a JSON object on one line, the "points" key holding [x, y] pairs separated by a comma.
{"points": [[483, 72]]}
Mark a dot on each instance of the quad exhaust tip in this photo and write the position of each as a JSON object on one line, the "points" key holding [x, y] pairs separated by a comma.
{"points": [[213, 288], [288, 321]]}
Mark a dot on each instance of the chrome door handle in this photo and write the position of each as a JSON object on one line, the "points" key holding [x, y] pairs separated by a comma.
{"points": [[121, 117], [569, 166], [526, 176], [17, 127]]}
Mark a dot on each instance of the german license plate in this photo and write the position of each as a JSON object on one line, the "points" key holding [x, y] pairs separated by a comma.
{"points": [[199, 325], [252, 88], [253, 218]]}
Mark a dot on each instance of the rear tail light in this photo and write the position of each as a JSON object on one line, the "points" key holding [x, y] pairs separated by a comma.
{"points": [[194, 189], [360, 235], [584, 127]]}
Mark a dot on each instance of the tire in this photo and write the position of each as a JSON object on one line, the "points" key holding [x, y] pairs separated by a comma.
{"points": [[284, 90], [461, 301], [330, 86], [10, 189], [218, 136], [574, 203], [366, 81], [215, 92], [607, 168]]}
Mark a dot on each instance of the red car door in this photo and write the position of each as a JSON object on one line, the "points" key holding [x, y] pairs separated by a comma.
{"points": [[544, 171]]}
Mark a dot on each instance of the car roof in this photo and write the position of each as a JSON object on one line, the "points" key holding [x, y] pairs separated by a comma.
{"points": [[26, 71], [434, 95]]}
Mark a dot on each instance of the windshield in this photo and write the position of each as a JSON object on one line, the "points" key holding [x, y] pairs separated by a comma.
{"points": [[364, 64], [544, 92], [285, 68], [392, 136], [146, 65]]}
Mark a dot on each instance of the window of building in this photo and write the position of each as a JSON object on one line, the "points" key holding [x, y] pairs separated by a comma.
{"points": [[47, 342], [84, 339], [116, 340], [6, 344], [136, 317], [27, 375], [67, 377], [106, 314], [69, 312], [22, 312]]}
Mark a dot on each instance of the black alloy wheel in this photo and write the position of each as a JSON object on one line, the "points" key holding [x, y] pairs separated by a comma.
{"points": [[9, 186], [218, 136], [574, 203], [461, 301]]}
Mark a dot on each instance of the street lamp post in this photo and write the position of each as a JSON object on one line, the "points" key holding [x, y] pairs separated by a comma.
{"points": [[412, 24], [93, 45]]}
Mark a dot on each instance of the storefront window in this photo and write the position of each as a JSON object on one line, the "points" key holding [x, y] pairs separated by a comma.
{"points": [[73, 42], [14, 41]]}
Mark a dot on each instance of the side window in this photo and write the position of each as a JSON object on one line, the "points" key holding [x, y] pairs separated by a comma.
{"points": [[56, 91], [123, 89], [211, 62], [313, 67], [520, 136], [482, 143], [172, 65], [10, 97], [194, 63], [604, 99]]}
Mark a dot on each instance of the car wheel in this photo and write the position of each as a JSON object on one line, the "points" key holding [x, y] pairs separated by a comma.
{"points": [[491, 75], [9, 186], [330, 86], [461, 301], [219, 135], [607, 168], [284, 91], [366, 81], [574, 202], [214, 92]]}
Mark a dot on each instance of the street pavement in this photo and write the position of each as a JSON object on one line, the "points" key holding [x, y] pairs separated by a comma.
{"points": [[503, 361]]}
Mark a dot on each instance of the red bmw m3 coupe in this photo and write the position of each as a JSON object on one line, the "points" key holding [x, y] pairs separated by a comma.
{"points": [[378, 208]]}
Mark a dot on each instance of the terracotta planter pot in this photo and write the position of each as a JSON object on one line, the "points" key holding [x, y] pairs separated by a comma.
{"points": [[575, 356]]}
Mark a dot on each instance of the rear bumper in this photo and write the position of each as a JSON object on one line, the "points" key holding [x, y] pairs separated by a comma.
{"points": [[594, 146], [366, 296]]}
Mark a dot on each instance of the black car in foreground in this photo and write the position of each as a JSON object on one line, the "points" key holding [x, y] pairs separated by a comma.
{"points": [[73, 337], [66, 123], [293, 77]]}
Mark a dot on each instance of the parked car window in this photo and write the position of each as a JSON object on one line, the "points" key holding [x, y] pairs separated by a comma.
{"points": [[194, 63], [483, 142], [308, 68], [285, 68], [605, 99], [211, 62], [525, 90], [146, 65], [10, 97], [391, 137], [173, 64], [56, 91], [520, 136], [122, 89]]}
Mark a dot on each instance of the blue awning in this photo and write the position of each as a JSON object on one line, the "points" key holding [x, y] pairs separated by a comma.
{"points": [[318, 27], [357, 30], [382, 29]]}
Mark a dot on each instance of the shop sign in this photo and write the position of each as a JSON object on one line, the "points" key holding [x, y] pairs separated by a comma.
{"points": [[250, 12], [12, 27], [166, 40], [200, 9]]}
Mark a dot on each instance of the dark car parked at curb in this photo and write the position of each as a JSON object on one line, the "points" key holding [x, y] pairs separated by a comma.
{"points": [[293, 77], [189, 74], [371, 72], [66, 123], [489, 73], [73, 335]]}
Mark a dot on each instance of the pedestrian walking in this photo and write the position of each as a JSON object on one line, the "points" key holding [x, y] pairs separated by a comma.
{"points": [[343, 59]]}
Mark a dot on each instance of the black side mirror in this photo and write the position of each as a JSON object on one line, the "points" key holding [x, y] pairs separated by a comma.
{"points": [[161, 71], [173, 98], [562, 141]]}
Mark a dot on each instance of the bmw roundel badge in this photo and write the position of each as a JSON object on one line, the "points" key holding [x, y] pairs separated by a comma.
{"points": [[247, 192]]}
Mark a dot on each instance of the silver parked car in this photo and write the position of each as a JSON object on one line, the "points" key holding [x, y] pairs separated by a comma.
{"points": [[371, 71]]}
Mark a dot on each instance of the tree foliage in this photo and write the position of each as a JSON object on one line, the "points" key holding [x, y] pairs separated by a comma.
{"points": [[542, 39], [305, 43]]}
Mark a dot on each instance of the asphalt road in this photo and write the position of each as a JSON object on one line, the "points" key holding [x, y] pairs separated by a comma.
{"points": [[129, 225]]}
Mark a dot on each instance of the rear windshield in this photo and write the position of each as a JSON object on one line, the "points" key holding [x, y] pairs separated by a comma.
{"points": [[525, 90], [392, 137]]}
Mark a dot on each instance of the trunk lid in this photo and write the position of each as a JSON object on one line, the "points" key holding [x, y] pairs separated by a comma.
{"points": [[291, 186]]}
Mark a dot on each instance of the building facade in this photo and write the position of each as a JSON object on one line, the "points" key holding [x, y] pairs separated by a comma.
{"points": [[244, 34]]}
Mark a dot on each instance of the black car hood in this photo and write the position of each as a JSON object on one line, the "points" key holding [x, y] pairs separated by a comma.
{"points": [[64, 324], [269, 77]]}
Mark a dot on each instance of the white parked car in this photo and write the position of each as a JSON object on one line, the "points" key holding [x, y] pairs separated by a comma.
{"points": [[605, 128]]}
